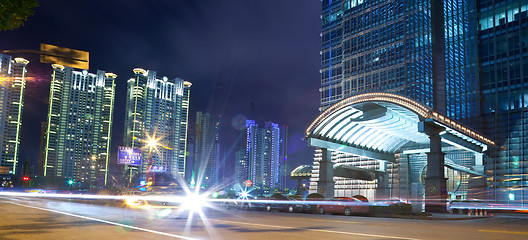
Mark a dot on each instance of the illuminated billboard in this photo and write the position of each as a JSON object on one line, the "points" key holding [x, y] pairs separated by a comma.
{"points": [[129, 156]]}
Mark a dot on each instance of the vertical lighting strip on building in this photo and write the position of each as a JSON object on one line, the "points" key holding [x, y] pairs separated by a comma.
{"points": [[22, 83], [110, 123], [52, 91]]}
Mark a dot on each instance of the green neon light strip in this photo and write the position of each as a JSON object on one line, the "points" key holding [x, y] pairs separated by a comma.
{"points": [[19, 118], [109, 130], [52, 88]]}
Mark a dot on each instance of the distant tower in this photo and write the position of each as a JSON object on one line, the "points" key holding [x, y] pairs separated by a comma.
{"points": [[79, 125], [12, 84], [283, 157], [262, 154], [206, 149], [157, 109]]}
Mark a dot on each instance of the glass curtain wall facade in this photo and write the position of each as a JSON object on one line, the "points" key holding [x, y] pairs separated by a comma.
{"points": [[385, 46], [79, 126], [157, 109], [206, 150], [503, 33], [12, 85]]}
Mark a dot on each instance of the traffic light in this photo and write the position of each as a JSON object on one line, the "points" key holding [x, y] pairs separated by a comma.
{"points": [[25, 178]]}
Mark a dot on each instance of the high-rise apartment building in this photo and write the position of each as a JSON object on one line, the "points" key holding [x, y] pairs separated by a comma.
{"points": [[79, 125], [206, 150], [503, 34], [157, 111], [12, 84], [262, 155], [241, 166]]}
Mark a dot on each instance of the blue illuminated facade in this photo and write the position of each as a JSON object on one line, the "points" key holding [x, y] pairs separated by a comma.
{"points": [[503, 34], [264, 158], [374, 45], [385, 46]]}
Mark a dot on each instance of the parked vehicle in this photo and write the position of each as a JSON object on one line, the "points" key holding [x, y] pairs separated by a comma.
{"points": [[281, 203], [343, 205]]}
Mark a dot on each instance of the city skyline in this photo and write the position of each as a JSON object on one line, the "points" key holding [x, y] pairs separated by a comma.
{"points": [[228, 73]]}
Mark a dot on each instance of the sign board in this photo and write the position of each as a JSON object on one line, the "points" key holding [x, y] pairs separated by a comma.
{"points": [[64, 56], [4, 170], [153, 168], [129, 156]]}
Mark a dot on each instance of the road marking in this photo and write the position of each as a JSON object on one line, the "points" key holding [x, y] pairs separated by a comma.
{"points": [[312, 229], [510, 232], [321, 220], [107, 222]]}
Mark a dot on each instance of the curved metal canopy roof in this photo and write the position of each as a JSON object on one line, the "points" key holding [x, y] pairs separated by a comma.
{"points": [[303, 171], [383, 123]]}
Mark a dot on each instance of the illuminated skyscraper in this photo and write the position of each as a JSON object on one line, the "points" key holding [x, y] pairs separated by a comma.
{"points": [[262, 156], [284, 175], [503, 34], [79, 125], [12, 84], [206, 149], [157, 109], [386, 46]]}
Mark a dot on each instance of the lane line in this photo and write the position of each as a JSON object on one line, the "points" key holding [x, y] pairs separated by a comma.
{"points": [[312, 229], [320, 220], [497, 231], [107, 222]]}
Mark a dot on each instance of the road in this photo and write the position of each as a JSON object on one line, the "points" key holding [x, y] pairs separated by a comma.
{"points": [[37, 218]]}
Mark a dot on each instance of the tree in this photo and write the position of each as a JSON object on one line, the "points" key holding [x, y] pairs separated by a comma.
{"points": [[13, 13]]}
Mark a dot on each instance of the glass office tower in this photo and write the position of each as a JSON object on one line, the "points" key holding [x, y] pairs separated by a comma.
{"points": [[157, 109], [503, 33], [79, 126], [386, 46], [12, 84]]}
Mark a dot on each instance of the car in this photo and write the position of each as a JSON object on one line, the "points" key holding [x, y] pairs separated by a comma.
{"points": [[343, 205], [462, 206], [391, 206], [281, 203]]}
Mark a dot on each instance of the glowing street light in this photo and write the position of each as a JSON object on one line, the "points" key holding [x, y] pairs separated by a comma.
{"points": [[152, 143]]}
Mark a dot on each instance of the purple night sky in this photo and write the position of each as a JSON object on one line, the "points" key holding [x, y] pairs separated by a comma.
{"points": [[235, 52]]}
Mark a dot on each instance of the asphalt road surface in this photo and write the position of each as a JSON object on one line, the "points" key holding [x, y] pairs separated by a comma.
{"points": [[37, 218]]}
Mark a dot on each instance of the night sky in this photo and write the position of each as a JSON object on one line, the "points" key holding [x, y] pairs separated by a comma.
{"points": [[234, 52]]}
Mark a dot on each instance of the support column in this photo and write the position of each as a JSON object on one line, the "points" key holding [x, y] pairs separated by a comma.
{"points": [[435, 181], [383, 191], [325, 185]]}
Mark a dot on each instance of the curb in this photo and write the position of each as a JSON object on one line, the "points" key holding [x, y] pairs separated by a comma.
{"points": [[429, 217]]}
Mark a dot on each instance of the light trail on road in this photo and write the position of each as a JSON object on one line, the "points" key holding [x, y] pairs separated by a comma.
{"points": [[105, 221]]}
